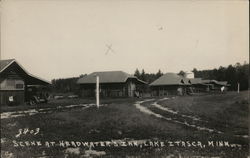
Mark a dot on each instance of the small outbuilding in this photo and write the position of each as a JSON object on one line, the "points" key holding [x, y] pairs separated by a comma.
{"points": [[16, 83], [112, 84], [169, 84]]}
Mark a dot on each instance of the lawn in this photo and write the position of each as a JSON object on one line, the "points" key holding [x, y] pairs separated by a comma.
{"points": [[228, 112], [119, 119]]}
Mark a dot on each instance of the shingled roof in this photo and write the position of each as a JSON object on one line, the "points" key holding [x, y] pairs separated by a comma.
{"points": [[107, 77], [170, 79], [195, 80], [221, 83]]}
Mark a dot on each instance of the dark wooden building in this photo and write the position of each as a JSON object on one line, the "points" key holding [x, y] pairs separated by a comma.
{"points": [[16, 83], [216, 85], [112, 84], [198, 85], [169, 84]]}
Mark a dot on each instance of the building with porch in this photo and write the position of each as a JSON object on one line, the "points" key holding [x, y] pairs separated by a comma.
{"points": [[112, 84], [169, 84]]}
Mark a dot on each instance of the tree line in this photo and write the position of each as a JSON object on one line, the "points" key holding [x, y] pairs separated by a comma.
{"points": [[147, 77], [234, 74], [65, 85]]}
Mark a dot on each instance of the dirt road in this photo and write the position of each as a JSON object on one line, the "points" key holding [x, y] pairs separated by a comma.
{"points": [[169, 114]]}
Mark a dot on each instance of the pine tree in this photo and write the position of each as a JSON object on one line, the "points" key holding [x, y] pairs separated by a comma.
{"points": [[137, 73], [143, 76], [159, 74], [182, 73]]}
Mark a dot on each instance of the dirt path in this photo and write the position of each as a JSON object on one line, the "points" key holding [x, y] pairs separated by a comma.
{"points": [[176, 117], [30, 112]]}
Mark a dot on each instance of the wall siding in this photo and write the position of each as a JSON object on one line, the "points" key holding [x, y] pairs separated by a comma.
{"points": [[109, 89], [5, 84], [166, 90], [18, 97]]}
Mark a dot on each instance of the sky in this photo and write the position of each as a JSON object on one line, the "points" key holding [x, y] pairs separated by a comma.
{"points": [[66, 38]]}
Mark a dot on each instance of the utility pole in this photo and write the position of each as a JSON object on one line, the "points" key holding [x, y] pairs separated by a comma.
{"points": [[97, 92]]}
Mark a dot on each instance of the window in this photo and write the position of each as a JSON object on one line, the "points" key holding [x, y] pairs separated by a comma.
{"points": [[19, 86]]}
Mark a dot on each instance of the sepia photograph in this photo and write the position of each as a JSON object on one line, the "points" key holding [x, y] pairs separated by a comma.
{"points": [[124, 78]]}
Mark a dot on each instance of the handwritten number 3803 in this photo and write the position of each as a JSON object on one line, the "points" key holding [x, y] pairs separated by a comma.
{"points": [[27, 131]]}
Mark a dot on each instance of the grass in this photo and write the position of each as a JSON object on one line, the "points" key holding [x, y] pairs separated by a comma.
{"points": [[61, 102], [120, 119], [228, 112]]}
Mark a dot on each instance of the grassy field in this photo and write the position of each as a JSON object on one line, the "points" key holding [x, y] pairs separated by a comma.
{"points": [[228, 112], [120, 120]]}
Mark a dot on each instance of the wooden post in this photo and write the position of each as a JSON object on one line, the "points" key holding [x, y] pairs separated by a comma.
{"points": [[238, 87], [97, 92]]}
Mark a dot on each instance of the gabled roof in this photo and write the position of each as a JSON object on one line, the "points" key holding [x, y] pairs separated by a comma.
{"points": [[170, 79], [5, 63], [32, 80], [205, 81], [221, 83], [107, 77]]}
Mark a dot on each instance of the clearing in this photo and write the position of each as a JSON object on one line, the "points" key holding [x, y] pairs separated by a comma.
{"points": [[217, 118]]}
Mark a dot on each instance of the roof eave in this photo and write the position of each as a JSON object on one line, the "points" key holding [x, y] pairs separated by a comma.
{"points": [[8, 65], [48, 82]]}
